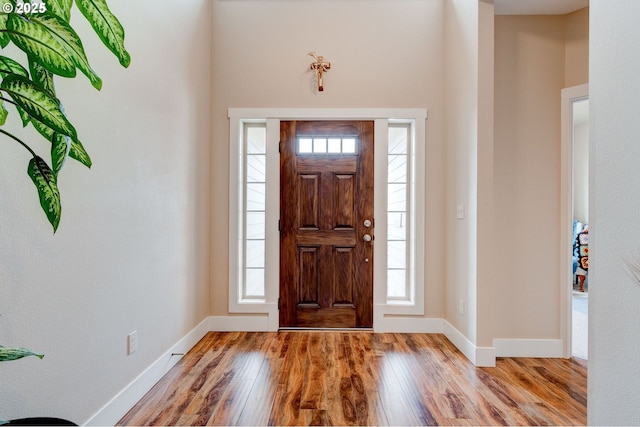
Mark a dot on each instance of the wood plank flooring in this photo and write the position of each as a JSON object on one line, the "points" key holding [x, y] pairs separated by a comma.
{"points": [[358, 378]]}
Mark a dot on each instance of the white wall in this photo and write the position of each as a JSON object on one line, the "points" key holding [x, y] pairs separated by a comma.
{"points": [[382, 53], [614, 297], [461, 102], [132, 249], [469, 41]]}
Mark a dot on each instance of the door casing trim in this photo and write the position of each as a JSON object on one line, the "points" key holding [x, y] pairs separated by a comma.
{"points": [[272, 117], [568, 97]]}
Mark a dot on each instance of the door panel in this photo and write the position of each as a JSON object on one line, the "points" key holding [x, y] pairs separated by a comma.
{"points": [[308, 259], [344, 275], [345, 214], [326, 268], [308, 196]]}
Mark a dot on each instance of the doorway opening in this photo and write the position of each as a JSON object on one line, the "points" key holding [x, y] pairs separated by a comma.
{"points": [[575, 206], [580, 263]]}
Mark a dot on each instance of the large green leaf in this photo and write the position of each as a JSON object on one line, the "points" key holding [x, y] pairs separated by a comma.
{"points": [[24, 116], [15, 353], [4, 37], [3, 114], [42, 77], [107, 26], [46, 183], [9, 66], [77, 152], [40, 44], [38, 104], [61, 8], [60, 145], [71, 42], [76, 149]]}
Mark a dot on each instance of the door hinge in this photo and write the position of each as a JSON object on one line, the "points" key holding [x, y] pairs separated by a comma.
{"points": [[279, 226], [280, 147], [278, 303]]}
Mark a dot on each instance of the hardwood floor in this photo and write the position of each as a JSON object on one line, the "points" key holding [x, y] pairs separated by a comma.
{"points": [[358, 378]]}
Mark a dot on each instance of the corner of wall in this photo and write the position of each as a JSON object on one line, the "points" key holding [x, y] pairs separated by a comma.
{"points": [[122, 402], [479, 356]]}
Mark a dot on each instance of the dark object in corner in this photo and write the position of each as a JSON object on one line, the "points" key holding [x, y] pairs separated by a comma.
{"points": [[40, 421]]}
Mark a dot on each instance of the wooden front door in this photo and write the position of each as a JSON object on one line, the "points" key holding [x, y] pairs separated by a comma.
{"points": [[326, 224]]}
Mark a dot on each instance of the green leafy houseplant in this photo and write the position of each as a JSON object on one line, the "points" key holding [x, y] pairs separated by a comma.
{"points": [[51, 47]]}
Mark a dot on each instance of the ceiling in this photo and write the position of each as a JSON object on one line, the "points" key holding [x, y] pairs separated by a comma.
{"points": [[538, 7]]}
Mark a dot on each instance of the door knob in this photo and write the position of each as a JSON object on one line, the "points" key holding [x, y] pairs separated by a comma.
{"points": [[367, 237], [367, 223]]}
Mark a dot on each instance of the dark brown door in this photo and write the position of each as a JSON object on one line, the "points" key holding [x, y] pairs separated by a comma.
{"points": [[326, 208]]}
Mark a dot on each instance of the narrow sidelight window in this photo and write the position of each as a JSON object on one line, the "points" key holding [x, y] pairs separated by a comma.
{"points": [[254, 211], [399, 203]]}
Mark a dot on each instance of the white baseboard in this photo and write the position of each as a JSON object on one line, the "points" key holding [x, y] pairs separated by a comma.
{"points": [[550, 348], [246, 323], [479, 356], [409, 325], [117, 407]]}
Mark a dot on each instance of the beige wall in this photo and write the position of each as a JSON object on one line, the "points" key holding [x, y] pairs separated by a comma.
{"points": [[529, 77], [423, 60], [533, 54], [577, 48], [485, 302], [382, 54]]}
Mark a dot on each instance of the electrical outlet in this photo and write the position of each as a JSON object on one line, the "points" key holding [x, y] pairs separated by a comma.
{"points": [[132, 342], [461, 307]]}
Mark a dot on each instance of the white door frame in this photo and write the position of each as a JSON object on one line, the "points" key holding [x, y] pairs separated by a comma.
{"points": [[569, 96], [272, 116]]}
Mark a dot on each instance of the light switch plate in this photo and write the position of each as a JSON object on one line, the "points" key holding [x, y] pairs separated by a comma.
{"points": [[132, 342]]}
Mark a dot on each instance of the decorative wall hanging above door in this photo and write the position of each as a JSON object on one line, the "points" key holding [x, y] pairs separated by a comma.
{"points": [[319, 66]]}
